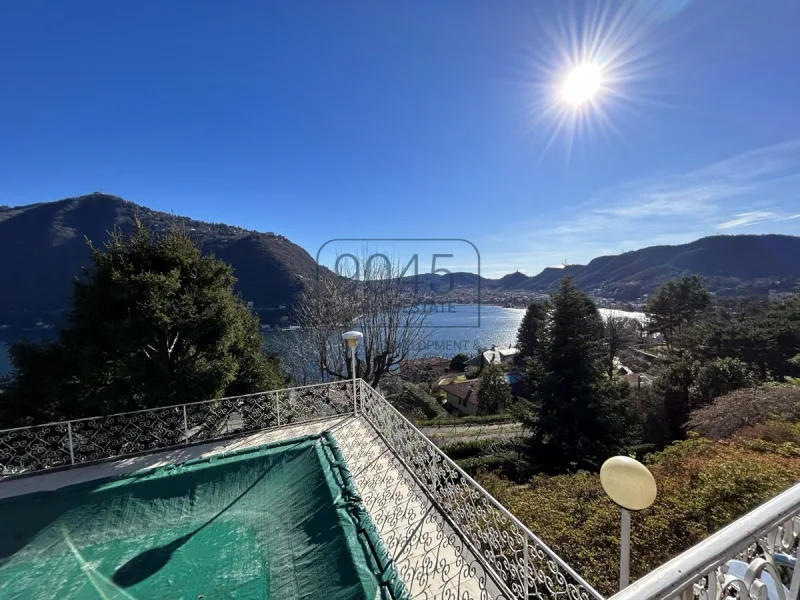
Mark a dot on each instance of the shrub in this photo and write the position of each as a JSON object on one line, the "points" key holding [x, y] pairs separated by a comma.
{"points": [[718, 377], [470, 420], [747, 407], [702, 486], [469, 448], [412, 399], [773, 431], [504, 463], [457, 362]]}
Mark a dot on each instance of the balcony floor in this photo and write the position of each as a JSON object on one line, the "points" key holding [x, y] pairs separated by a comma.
{"points": [[412, 528]]}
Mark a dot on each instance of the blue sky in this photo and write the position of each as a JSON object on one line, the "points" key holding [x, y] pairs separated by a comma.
{"points": [[402, 119]]}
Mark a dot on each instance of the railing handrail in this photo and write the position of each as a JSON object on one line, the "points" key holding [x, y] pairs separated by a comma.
{"points": [[675, 575], [157, 408], [491, 499]]}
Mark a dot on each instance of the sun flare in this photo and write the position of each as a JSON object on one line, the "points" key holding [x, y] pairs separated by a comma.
{"points": [[591, 72], [581, 84]]}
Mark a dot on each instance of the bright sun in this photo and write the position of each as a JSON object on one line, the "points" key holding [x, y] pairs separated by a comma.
{"points": [[581, 84]]}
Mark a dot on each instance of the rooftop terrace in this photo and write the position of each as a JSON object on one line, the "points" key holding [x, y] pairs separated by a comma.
{"points": [[439, 534]]}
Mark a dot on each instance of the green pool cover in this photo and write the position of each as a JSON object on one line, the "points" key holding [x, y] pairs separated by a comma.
{"points": [[281, 521]]}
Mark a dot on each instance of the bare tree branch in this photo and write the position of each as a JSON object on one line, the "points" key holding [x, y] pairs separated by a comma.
{"points": [[378, 303]]}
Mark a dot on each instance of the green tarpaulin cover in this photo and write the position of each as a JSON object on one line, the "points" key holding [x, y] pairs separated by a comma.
{"points": [[279, 522]]}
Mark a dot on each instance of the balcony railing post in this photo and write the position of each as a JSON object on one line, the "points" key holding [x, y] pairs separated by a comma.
{"points": [[794, 586], [185, 427], [71, 447], [526, 571], [278, 408], [697, 569]]}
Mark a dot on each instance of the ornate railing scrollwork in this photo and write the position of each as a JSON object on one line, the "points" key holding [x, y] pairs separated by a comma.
{"points": [[26, 449], [753, 558], [519, 563], [80, 441], [470, 546]]}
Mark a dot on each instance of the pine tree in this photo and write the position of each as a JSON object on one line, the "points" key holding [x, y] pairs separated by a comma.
{"points": [[153, 322], [675, 305], [531, 329], [580, 417], [494, 394]]}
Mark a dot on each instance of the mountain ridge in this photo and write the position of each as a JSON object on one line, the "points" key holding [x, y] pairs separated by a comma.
{"points": [[728, 264], [47, 241], [44, 248]]}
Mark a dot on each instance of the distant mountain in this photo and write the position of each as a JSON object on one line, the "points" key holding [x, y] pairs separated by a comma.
{"points": [[550, 277], [728, 264], [43, 248], [512, 281]]}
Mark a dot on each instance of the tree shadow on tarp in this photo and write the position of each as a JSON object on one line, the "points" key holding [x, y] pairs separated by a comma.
{"points": [[151, 561]]}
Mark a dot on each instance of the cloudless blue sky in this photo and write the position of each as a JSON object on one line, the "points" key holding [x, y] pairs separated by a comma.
{"points": [[410, 119]]}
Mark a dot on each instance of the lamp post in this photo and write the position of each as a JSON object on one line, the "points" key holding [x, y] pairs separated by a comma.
{"points": [[352, 337], [632, 487]]}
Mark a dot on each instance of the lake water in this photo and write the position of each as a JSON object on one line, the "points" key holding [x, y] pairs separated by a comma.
{"points": [[450, 329], [466, 327]]}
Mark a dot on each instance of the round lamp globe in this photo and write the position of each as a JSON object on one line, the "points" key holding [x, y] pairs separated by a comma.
{"points": [[352, 337], [628, 483]]}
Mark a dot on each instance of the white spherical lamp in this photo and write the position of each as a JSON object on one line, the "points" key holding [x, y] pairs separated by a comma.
{"points": [[632, 487], [628, 483]]}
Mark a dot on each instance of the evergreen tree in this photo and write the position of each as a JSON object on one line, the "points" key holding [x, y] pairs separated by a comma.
{"points": [[717, 378], [494, 394], [672, 400], [580, 416], [620, 332], [531, 328], [676, 304], [457, 362], [154, 322], [765, 339]]}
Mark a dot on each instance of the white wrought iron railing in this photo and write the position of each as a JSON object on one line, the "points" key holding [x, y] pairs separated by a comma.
{"points": [[80, 441], [508, 560], [519, 563], [764, 541]]}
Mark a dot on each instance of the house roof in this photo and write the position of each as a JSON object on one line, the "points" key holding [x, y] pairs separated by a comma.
{"points": [[465, 390], [508, 352], [492, 357]]}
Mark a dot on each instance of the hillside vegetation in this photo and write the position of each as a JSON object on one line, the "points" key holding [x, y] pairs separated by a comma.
{"points": [[718, 423], [729, 265], [702, 486], [44, 248]]}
